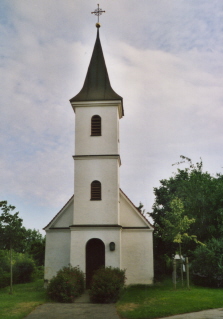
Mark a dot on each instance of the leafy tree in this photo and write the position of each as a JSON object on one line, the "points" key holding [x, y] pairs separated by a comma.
{"points": [[24, 269], [176, 225], [201, 195], [207, 266], [12, 231], [140, 208], [15, 237], [34, 245]]}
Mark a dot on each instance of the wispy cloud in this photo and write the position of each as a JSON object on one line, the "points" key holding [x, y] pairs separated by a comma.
{"points": [[164, 58]]}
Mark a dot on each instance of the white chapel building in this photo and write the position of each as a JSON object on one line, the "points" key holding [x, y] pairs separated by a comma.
{"points": [[99, 225]]}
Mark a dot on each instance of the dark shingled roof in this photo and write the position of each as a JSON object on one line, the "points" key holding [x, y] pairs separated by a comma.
{"points": [[97, 86]]}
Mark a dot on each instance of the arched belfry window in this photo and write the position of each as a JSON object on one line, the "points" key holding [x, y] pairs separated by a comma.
{"points": [[96, 125], [95, 190]]}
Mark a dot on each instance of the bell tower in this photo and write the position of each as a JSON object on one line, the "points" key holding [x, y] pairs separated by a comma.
{"points": [[97, 112], [99, 226], [98, 109]]}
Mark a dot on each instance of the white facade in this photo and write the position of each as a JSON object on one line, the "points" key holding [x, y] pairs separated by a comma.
{"points": [[133, 238], [106, 230], [85, 144]]}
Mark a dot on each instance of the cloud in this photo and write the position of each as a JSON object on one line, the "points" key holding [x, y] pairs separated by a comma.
{"points": [[164, 58]]}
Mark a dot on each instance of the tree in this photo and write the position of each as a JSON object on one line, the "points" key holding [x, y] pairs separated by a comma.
{"points": [[34, 245], [12, 231], [207, 265], [176, 225], [201, 195]]}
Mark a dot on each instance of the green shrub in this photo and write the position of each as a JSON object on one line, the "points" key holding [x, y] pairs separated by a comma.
{"points": [[107, 284], [24, 270], [207, 266], [4, 269], [67, 285], [4, 263], [4, 278], [39, 274]]}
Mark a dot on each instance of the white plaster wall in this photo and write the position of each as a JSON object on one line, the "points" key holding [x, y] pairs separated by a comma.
{"points": [[80, 237], [65, 219], [137, 256], [57, 252], [108, 142], [105, 211], [129, 217]]}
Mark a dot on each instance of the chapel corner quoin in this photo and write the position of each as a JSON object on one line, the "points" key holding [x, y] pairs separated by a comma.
{"points": [[99, 225]]}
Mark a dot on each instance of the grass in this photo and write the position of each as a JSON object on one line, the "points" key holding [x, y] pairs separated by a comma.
{"points": [[136, 302], [24, 299], [161, 300]]}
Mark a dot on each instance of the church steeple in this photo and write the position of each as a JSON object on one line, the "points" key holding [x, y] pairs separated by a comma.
{"points": [[97, 85]]}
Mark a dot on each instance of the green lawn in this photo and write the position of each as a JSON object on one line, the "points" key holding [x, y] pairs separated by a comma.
{"points": [[137, 302], [162, 300], [24, 299]]}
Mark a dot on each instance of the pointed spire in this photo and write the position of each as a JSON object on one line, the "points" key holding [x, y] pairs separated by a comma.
{"points": [[97, 86]]}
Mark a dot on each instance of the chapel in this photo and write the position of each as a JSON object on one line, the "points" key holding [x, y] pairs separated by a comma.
{"points": [[99, 225]]}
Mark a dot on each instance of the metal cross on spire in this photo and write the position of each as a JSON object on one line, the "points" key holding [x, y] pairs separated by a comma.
{"points": [[98, 12]]}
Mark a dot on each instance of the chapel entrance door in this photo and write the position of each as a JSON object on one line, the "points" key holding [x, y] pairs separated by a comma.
{"points": [[95, 258]]}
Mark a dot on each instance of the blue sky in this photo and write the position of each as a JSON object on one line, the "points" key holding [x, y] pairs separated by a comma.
{"points": [[165, 58]]}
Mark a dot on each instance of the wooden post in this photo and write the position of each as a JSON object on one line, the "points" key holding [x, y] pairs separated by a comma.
{"points": [[174, 274], [181, 271], [187, 271]]}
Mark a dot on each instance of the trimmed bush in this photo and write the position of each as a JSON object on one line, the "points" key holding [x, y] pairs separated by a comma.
{"points": [[67, 285], [107, 284]]}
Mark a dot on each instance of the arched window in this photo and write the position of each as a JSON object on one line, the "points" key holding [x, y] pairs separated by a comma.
{"points": [[96, 125], [95, 190]]}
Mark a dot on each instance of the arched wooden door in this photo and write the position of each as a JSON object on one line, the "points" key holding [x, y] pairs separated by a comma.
{"points": [[95, 258]]}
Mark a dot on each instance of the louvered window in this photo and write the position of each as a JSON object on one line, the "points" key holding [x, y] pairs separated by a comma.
{"points": [[95, 190], [96, 125]]}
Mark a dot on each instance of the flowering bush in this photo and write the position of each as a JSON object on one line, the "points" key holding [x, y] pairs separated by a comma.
{"points": [[107, 284], [67, 285]]}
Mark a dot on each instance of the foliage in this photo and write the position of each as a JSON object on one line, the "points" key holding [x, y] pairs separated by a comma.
{"points": [[201, 196], [24, 269], [16, 238], [12, 231], [161, 300], [26, 298], [175, 224], [107, 284], [34, 245], [4, 262], [4, 270], [21, 239], [67, 285], [207, 266]]}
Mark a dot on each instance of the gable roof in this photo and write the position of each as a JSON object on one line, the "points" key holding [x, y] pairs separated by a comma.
{"points": [[137, 209], [72, 198], [97, 85], [59, 213]]}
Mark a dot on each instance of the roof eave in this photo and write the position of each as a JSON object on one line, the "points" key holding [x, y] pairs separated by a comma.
{"points": [[105, 103]]}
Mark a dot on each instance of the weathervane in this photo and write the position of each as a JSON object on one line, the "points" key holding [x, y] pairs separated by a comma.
{"points": [[98, 12]]}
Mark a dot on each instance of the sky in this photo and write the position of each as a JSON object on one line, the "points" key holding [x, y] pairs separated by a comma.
{"points": [[164, 57]]}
